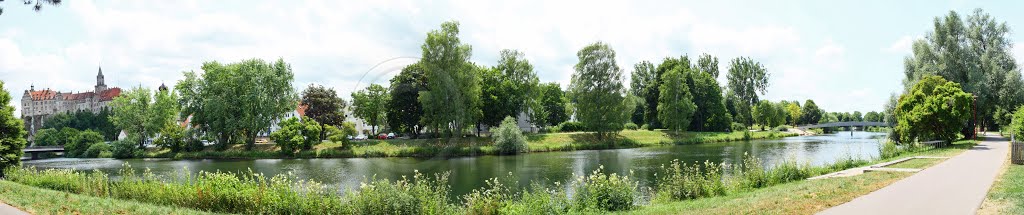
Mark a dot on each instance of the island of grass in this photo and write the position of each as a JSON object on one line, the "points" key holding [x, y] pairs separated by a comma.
{"points": [[476, 146]]}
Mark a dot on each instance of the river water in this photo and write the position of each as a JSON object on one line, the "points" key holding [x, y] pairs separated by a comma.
{"points": [[470, 173]]}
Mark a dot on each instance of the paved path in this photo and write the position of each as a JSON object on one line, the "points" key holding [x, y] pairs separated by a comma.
{"points": [[10, 210], [956, 186]]}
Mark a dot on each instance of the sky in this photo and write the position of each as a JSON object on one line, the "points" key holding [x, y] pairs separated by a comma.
{"points": [[846, 56]]}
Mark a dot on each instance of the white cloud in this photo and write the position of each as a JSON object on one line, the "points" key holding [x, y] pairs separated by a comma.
{"points": [[902, 45]]}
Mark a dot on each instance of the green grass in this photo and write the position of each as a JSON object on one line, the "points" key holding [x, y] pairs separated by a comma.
{"points": [[917, 163], [476, 146], [1007, 194], [44, 201]]}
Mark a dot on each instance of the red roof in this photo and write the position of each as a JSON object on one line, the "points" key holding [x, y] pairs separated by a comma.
{"points": [[301, 110], [78, 96], [43, 94], [109, 94]]}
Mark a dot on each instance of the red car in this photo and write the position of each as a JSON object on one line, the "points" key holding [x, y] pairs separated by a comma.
{"points": [[382, 136]]}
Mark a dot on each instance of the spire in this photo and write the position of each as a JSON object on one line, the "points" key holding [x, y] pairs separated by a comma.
{"points": [[100, 75]]}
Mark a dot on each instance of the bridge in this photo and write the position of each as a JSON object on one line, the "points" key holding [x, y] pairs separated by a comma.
{"points": [[36, 150], [845, 124]]}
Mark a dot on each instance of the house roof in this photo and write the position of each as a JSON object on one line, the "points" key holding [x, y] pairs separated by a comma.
{"points": [[301, 109], [109, 94], [47, 94], [43, 94]]}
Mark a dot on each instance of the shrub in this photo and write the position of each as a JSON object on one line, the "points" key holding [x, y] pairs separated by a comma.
{"points": [[1017, 123], [508, 138], [540, 200], [80, 143], [680, 181], [125, 148], [96, 149], [311, 133], [610, 192], [630, 126], [172, 137], [780, 128], [570, 126], [738, 126], [488, 201], [934, 109], [289, 138], [421, 195], [646, 127]]}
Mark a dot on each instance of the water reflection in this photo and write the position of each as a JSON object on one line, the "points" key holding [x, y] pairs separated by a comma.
{"points": [[470, 173]]}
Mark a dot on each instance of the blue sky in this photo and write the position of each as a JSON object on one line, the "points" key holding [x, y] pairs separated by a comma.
{"points": [[847, 56]]}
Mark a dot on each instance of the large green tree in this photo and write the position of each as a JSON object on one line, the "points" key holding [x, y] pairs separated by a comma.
{"points": [[12, 133], [644, 77], [494, 98], [596, 86], [746, 79], [85, 120], [235, 102], [793, 108], [452, 100], [975, 52], [675, 105], [710, 114], [405, 113], [139, 113], [708, 64], [370, 104], [934, 109], [324, 106], [519, 79], [653, 95], [810, 113], [553, 100]]}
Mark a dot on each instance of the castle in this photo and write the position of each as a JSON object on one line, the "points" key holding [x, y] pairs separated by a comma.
{"points": [[38, 105]]}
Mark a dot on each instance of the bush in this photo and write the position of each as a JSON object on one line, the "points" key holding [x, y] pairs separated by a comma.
{"points": [[630, 126], [738, 126], [780, 128], [80, 143], [96, 149], [488, 201], [645, 127], [680, 181], [172, 137], [570, 126], [1017, 125], [508, 138], [609, 192], [311, 133], [934, 109], [125, 148], [421, 195], [289, 138]]}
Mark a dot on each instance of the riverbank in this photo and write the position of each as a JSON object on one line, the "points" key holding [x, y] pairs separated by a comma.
{"points": [[475, 146], [781, 189], [35, 200]]}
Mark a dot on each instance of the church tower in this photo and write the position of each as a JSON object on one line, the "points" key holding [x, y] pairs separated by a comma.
{"points": [[100, 86]]}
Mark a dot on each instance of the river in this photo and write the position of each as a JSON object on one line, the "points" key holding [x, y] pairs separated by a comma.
{"points": [[470, 173]]}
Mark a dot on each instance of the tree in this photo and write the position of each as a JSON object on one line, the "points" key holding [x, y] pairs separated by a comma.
{"points": [[1011, 96], [508, 138], [889, 115], [323, 105], [857, 117], [494, 98], [794, 112], [405, 112], [519, 79], [1016, 127], [370, 104], [234, 102], [38, 5], [975, 52], [289, 138], [311, 133], [746, 79], [79, 144], [84, 120], [811, 114], [675, 105], [708, 64], [644, 77], [172, 137], [553, 100], [872, 116], [12, 133], [597, 88], [138, 113], [48, 137], [653, 94], [452, 100], [934, 109], [766, 114], [710, 113]]}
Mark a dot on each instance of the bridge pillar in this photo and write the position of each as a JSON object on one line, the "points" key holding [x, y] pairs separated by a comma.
{"points": [[35, 156]]}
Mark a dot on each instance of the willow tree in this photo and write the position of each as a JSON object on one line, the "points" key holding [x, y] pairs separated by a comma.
{"points": [[451, 102], [597, 88], [235, 102], [141, 114]]}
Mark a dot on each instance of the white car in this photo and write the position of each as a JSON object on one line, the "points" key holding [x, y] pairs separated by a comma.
{"points": [[360, 137], [391, 135]]}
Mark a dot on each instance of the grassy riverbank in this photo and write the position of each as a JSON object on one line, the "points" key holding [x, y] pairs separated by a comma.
{"points": [[680, 188], [37, 200], [805, 196], [476, 146], [1007, 194]]}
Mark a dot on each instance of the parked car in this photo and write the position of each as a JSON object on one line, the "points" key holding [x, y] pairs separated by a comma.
{"points": [[382, 136], [391, 135], [360, 137]]}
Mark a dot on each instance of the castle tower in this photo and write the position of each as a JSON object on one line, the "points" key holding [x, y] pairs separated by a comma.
{"points": [[100, 86]]}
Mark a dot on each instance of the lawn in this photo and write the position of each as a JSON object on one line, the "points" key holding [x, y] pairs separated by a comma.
{"points": [[1007, 194], [917, 163], [45, 201], [803, 197]]}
